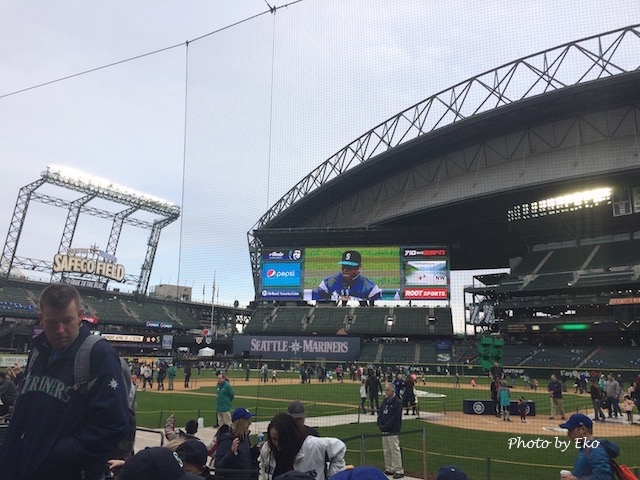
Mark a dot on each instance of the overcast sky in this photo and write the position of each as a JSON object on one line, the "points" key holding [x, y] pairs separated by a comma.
{"points": [[267, 101]]}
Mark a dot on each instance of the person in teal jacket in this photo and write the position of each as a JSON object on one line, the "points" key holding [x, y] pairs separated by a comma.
{"points": [[224, 397], [171, 375], [504, 396]]}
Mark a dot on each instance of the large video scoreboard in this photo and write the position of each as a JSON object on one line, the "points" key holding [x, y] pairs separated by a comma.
{"points": [[391, 272]]}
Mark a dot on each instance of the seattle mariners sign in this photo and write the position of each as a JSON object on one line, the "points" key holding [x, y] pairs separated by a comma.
{"points": [[307, 348]]}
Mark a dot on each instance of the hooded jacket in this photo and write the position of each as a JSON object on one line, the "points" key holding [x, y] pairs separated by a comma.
{"points": [[310, 458], [593, 462], [224, 397], [58, 431]]}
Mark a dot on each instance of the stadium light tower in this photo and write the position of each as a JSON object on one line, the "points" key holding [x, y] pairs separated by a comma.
{"points": [[82, 264]]}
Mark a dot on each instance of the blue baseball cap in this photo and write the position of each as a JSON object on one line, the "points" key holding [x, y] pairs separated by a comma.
{"points": [[360, 473], [241, 412], [577, 420]]}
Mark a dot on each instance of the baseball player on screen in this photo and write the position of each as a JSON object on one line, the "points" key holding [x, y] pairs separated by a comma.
{"points": [[348, 283]]}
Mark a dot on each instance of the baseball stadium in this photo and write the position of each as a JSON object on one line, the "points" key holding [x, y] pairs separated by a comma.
{"points": [[529, 171]]}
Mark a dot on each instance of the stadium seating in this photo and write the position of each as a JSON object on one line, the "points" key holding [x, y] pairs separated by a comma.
{"points": [[19, 301], [529, 263], [399, 353], [565, 260], [370, 321], [513, 355], [109, 310], [616, 255], [549, 281], [261, 315], [369, 352], [464, 353], [427, 353], [556, 357], [612, 357]]}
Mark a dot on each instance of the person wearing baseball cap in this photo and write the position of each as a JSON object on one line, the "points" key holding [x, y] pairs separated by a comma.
{"points": [[360, 473], [193, 454], [450, 472], [234, 451], [155, 463], [348, 283], [593, 461], [296, 410]]}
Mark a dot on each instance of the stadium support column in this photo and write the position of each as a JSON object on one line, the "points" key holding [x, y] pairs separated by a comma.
{"points": [[152, 247], [255, 252], [15, 227], [116, 229], [70, 225]]}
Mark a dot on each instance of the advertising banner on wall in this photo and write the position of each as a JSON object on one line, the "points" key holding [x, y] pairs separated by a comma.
{"points": [[339, 349]]}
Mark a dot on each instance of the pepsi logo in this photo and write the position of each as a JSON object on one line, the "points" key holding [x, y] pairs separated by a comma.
{"points": [[271, 273]]}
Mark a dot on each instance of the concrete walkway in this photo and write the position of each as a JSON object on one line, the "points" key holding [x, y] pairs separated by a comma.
{"points": [[153, 439]]}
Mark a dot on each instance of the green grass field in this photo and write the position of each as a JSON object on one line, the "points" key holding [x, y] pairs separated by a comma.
{"points": [[481, 454]]}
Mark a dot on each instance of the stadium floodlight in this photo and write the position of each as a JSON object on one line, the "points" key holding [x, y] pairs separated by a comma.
{"points": [[564, 203], [105, 188]]}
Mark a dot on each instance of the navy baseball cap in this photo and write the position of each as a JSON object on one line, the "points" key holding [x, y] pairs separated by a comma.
{"points": [[450, 472], [296, 409], [155, 463], [193, 451], [351, 258], [577, 420], [241, 412]]}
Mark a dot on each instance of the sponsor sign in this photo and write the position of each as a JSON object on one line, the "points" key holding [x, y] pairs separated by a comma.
{"points": [[280, 294], [281, 274], [418, 252], [92, 319], [306, 348], [279, 255], [117, 337], [164, 325], [7, 361], [624, 301], [443, 357], [415, 293]]}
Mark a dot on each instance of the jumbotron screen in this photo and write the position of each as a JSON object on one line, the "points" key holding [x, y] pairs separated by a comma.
{"points": [[334, 274]]}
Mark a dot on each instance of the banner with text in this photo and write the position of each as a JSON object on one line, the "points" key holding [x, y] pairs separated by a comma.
{"points": [[338, 349]]}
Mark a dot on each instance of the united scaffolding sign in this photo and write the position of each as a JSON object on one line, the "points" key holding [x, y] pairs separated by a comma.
{"points": [[306, 348]]}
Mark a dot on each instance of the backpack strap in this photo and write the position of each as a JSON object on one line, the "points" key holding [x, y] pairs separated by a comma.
{"points": [[34, 354], [82, 365]]}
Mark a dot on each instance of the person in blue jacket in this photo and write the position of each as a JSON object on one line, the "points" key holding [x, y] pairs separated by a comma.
{"points": [[61, 430], [594, 460], [348, 283]]}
